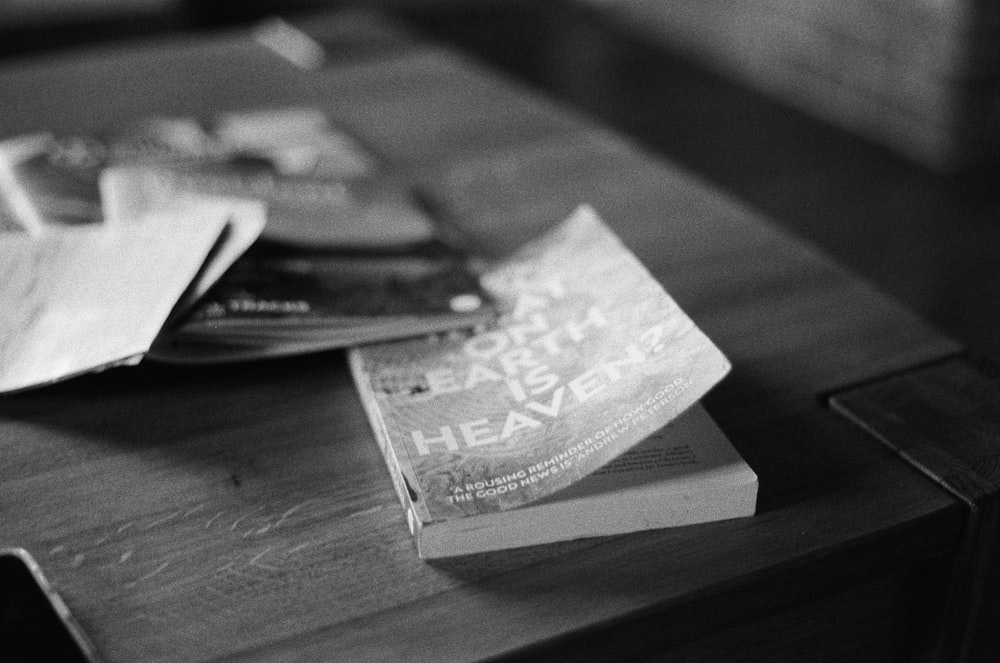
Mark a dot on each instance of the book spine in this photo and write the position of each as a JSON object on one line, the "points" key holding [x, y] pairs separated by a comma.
{"points": [[406, 489]]}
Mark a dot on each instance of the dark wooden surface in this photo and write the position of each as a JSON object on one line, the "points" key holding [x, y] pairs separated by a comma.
{"points": [[945, 420], [244, 513]]}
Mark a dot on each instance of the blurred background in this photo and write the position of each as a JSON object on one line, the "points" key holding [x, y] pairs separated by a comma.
{"points": [[870, 128]]}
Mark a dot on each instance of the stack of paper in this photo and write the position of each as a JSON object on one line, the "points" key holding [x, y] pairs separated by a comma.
{"points": [[134, 243], [83, 298]]}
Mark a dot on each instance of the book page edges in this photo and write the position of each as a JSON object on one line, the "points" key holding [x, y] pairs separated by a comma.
{"points": [[578, 519], [725, 489], [403, 480]]}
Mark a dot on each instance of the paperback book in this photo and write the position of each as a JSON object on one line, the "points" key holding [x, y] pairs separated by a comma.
{"points": [[575, 415]]}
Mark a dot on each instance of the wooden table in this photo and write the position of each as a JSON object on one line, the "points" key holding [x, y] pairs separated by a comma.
{"points": [[244, 513]]}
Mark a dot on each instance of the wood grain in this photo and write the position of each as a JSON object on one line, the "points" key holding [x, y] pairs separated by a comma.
{"points": [[245, 513]]}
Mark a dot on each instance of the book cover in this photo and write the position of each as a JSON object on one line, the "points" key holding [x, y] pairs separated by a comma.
{"points": [[277, 301], [589, 358]]}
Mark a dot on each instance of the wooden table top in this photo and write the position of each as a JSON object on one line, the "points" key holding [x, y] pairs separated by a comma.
{"points": [[245, 513]]}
